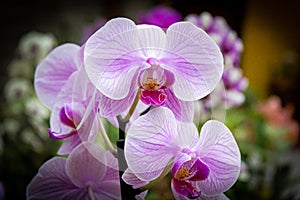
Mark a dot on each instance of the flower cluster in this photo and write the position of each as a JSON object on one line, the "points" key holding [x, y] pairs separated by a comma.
{"points": [[144, 79], [230, 91]]}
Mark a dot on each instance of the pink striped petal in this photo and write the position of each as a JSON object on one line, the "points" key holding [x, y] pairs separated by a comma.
{"points": [[54, 71], [51, 181], [86, 165], [111, 57], [183, 110], [195, 60], [219, 150], [150, 143]]}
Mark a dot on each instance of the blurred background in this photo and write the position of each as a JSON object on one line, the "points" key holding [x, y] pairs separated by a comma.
{"points": [[270, 31]]}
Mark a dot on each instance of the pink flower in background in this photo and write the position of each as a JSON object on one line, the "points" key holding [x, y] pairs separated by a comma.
{"points": [[204, 166], [279, 116], [62, 85], [171, 69], [161, 16], [88, 173]]}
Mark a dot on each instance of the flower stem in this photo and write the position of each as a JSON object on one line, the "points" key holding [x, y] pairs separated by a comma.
{"points": [[127, 192], [91, 193], [133, 106], [106, 139]]}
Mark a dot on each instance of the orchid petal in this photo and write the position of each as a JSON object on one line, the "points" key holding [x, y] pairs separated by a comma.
{"points": [[110, 107], [183, 110], [148, 138], [131, 179], [195, 60], [111, 58], [53, 72], [112, 168], [184, 189], [187, 134], [69, 144], [219, 150], [151, 40], [142, 195], [51, 181], [86, 165], [108, 190]]}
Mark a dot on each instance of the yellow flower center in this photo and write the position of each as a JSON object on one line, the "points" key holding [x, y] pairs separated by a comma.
{"points": [[151, 84], [182, 173]]}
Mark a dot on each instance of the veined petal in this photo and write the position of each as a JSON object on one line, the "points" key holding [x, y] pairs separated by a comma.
{"points": [[86, 165], [187, 135], [194, 58], [111, 108], [108, 190], [69, 144], [112, 59], [183, 110], [130, 178], [112, 168], [56, 123], [151, 40], [53, 72], [149, 144], [219, 150], [51, 181]]}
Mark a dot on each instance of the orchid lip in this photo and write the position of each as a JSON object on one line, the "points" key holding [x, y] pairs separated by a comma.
{"points": [[186, 189], [57, 136], [190, 167], [153, 98]]}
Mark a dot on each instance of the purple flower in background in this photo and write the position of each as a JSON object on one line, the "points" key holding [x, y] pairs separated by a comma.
{"points": [[202, 167], [88, 173], [226, 38], [61, 83], [161, 16], [172, 69], [234, 83]]}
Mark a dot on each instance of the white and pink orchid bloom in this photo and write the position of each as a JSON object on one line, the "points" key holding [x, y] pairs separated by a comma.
{"points": [[88, 173], [202, 166], [61, 83], [171, 68]]}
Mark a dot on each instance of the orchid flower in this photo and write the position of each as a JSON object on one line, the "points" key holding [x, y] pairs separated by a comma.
{"points": [[171, 68], [62, 85], [88, 173], [202, 166], [233, 84]]}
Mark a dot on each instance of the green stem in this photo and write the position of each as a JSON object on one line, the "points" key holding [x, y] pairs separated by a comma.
{"points": [[132, 108], [91, 193], [106, 139]]}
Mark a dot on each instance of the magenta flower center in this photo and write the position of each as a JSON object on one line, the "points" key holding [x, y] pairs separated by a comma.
{"points": [[153, 81]]}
